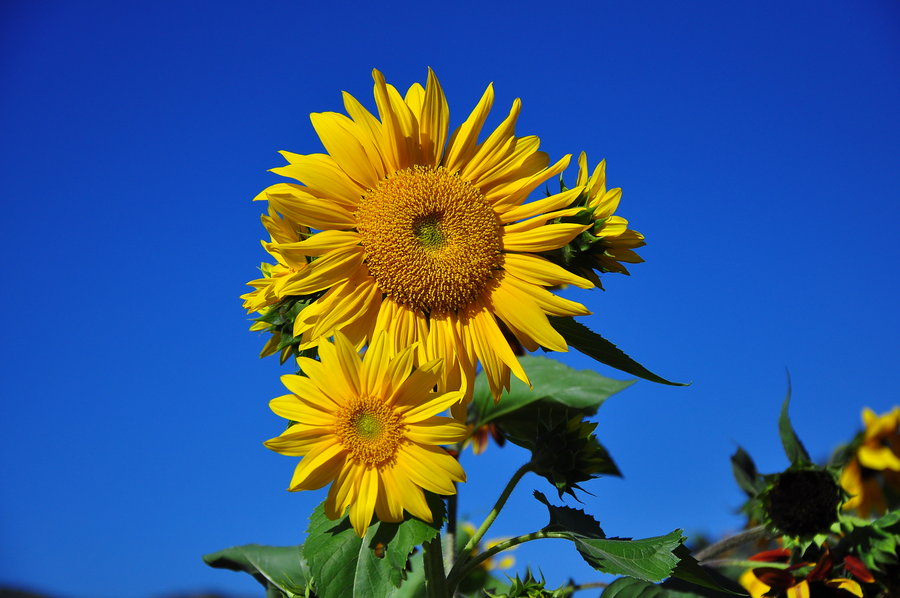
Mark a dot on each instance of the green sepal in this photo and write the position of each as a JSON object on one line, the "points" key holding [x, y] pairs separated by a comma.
{"points": [[744, 469], [593, 345], [793, 448], [343, 565], [280, 569]]}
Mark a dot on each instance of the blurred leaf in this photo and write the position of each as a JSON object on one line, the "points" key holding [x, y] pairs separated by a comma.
{"points": [[280, 568], [595, 346], [585, 390], [745, 473], [793, 448], [345, 565]]}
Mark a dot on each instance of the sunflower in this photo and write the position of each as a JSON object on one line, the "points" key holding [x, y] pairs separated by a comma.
{"points": [[427, 237], [370, 428], [875, 466], [616, 241]]}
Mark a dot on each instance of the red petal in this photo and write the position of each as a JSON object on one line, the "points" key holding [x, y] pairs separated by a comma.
{"points": [[857, 569]]}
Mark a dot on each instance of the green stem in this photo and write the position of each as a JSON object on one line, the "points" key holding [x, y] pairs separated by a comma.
{"points": [[435, 579], [463, 568], [504, 496]]}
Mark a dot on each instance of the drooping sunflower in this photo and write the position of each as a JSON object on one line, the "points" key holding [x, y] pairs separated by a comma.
{"points": [[369, 426], [427, 237]]}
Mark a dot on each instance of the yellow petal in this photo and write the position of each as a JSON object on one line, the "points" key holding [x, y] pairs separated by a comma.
{"points": [[541, 271], [302, 207], [340, 138], [363, 507], [545, 238], [461, 146], [296, 443], [321, 174], [341, 492], [327, 271], [318, 468], [437, 430], [550, 304], [516, 307], [429, 467], [432, 404], [878, 457], [317, 244]]}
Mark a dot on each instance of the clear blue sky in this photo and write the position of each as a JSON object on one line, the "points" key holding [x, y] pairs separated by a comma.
{"points": [[757, 143]]}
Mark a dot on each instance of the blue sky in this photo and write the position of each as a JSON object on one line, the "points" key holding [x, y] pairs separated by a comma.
{"points": [[757, 145]]}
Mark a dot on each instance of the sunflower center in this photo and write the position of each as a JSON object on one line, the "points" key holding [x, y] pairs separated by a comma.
{"points": [[431, 239], [370, 431]]}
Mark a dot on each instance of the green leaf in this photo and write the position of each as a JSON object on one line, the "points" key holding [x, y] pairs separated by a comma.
{"points": [[593, 345], [650, 559], [275, 567], [793, 448], [629, 587], [567, 519], [585, 390], [689, 570], [345, 565]]}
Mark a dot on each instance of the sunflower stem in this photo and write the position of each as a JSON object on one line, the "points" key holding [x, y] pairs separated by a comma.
{"points": [[463, 569], [726, 544], [435, 578], [450, 537], [463, 555]]}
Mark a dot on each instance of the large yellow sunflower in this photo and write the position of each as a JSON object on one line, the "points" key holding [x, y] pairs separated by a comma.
{"points": [[370, 428], [426, 236]]}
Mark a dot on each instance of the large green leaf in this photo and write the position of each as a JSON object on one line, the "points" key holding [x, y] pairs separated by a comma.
{"points": [[593, 345], [551, 380], [650, 559], [280, 568], [793, 448], [344, 565]]}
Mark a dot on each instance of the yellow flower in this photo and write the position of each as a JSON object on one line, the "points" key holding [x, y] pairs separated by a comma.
{"points": [[616, 240], [877, 461], [370, 428], [426, 236]]}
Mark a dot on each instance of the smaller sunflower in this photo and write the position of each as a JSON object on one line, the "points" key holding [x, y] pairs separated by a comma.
{"points": [[875, 466], [608, 242], [369, 426]]}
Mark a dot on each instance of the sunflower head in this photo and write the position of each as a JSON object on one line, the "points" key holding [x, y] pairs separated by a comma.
{"points": [[425, 236], [369, 427], [802, 502]]}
